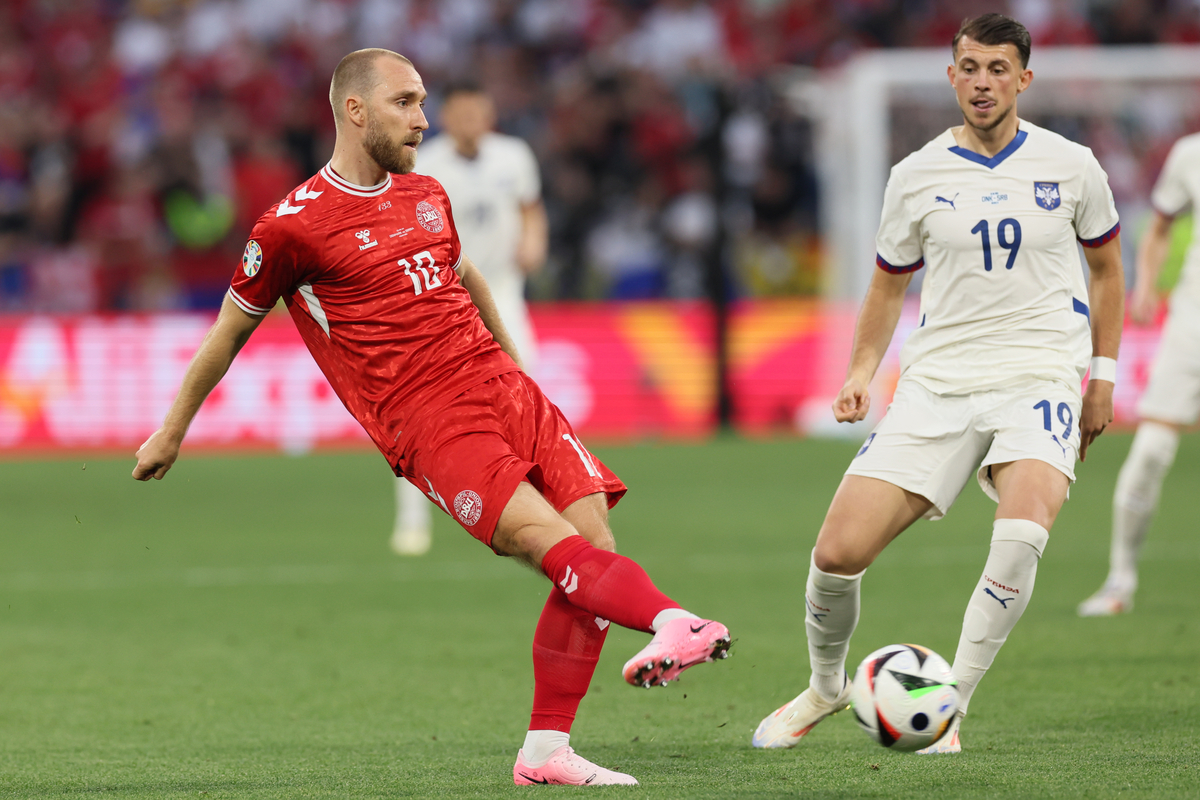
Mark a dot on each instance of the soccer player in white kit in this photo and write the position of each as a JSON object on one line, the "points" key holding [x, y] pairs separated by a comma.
{"points": [[1172, 398], [495, 190], [990, 382]]}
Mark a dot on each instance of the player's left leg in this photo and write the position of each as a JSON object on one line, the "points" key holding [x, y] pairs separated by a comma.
{"points": [[1031, 494], [1135, 500], [412, 531], [571, 630]]}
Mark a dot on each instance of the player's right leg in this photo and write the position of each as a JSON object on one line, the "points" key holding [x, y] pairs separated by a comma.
{"points": [[1134, 503], [412, 531], [866, 514]]}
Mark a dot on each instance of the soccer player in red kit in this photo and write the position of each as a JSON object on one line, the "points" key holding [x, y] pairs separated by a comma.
{"points": [[366, 257]]}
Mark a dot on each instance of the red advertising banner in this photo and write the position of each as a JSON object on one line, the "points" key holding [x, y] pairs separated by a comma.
{"points": [[618, 371]]}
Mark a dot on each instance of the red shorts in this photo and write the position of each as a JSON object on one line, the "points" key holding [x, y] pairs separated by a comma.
{"points": [[470, 455]]}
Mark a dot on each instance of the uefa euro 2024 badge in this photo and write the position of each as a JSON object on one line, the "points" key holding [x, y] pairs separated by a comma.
{"points": [[1047, 195], [251, 259]]}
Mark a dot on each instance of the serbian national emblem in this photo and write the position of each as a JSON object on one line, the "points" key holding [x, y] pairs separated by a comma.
{"points": [[1046, 195]]}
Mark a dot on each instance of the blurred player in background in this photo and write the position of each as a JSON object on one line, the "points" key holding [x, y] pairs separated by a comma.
{"points": [[1172, 398], [990, 379], [493, 183], [366, 257]]}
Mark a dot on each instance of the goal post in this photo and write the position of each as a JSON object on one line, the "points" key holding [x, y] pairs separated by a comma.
{"points": [[884, 104]]}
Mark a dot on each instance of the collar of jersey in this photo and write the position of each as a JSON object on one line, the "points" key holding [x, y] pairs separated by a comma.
{"points": [[338, 182], [996, 160]]}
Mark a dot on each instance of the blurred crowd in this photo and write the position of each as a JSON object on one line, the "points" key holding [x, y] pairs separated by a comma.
{"points": [[140, 139]]}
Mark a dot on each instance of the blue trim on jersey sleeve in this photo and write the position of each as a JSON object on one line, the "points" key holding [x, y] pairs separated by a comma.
{"points": [[1081, 308], [1103, 238], [996, 160], [895, 270]]}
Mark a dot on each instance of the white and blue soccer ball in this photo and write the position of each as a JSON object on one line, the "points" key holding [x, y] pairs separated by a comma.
{"points": [[904, 696]]}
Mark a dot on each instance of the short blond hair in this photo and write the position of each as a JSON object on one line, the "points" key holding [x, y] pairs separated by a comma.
{"points": [[355, 74]]}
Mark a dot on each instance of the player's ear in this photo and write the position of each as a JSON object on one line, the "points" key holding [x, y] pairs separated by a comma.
{"points": [[355, 110], [950, 73], [1026, 79]]}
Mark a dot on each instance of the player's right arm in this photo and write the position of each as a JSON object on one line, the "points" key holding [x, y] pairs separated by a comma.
{"points": [[222, 342], [876, 324], [898, 256], [1152, 252]]}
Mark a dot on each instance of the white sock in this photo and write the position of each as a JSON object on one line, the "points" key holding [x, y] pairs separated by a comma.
{"points": [[998, 601], [1136, 499], [413, 512], [830, 616], [668, 614], [540, 745]]}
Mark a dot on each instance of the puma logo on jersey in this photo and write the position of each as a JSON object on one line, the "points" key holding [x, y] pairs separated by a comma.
{"points": [[365, 236], [949, 202], [285, 209], [307, 194]]}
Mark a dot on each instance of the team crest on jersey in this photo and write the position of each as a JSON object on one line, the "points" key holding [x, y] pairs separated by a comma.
{"points": [[430, 217], [251, 259], [1047, 195], [468, 506]]}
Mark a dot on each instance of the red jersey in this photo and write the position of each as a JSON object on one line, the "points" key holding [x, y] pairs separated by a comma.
{"points": [[370, 276]]}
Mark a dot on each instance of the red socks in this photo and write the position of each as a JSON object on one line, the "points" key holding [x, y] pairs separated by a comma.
{"points": [[566, 647], [604, 584]]}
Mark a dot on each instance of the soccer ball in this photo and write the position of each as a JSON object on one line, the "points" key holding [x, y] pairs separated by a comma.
{"points": [[904, 696]]}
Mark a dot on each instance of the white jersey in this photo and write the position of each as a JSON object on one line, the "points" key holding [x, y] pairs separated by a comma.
{"points": [[1004, 299], [486, 195], [1177, 190]]}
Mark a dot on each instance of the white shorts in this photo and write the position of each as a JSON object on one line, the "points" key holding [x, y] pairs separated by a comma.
{"points": [[1173, 392], [930, 444]]}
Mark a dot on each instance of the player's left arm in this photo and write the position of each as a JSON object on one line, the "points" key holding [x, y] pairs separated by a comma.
{"points": [[535, 237], [473, 280], [1106, 293]]}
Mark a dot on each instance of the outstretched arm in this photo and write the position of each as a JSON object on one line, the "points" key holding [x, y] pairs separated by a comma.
{"points": [[222, 342], [876, 323], [481, 296], [1106, 291]]}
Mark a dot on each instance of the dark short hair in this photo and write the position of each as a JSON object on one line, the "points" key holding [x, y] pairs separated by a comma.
{"points": [[995, 29], [461, 86]]}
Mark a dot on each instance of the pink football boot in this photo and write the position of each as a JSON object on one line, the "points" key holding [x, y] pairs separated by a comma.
{"points": [[567, 769], [679, 644]]}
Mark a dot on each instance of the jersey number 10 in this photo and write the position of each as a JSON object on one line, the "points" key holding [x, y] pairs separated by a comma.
{"points": [[427, 271], [1008, 232]]}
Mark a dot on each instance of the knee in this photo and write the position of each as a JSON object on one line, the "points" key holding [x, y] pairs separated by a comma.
{"points": [[837, 558], [530, 541]]}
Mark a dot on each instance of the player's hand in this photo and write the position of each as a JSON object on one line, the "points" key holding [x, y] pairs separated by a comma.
{"points": [[1097, 414], [155, 456], [853, 401], [1143, 304]]}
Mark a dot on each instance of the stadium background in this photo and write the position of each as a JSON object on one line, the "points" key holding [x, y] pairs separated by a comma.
{"points": [[241, 629], [140, 140]]}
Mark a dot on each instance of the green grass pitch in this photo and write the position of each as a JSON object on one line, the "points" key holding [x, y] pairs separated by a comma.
{"points": [[241, 630]]}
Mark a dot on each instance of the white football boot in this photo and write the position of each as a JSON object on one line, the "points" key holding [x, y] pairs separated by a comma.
{"points": [[411, 541], [791, 722], [949, 743], [1112, 599]]}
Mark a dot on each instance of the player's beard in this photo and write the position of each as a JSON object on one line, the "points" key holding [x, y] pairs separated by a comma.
{"points": [[989, 126], [389, 155]]}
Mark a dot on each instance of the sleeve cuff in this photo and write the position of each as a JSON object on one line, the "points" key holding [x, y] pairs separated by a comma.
{"points": [[249, 308], [898, 270], [1104, 238]]}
